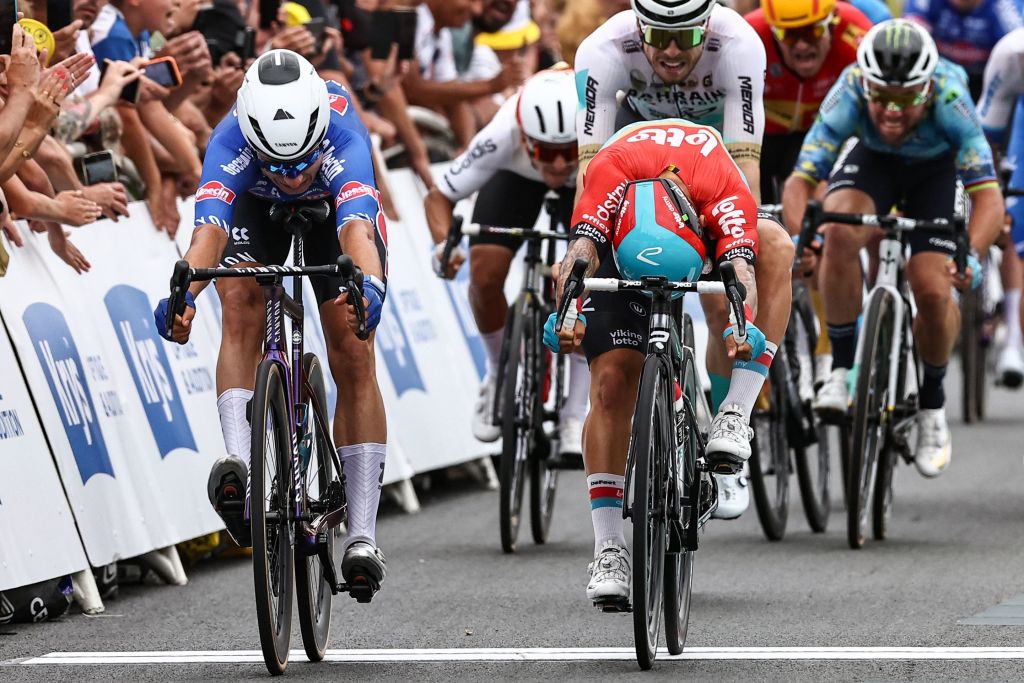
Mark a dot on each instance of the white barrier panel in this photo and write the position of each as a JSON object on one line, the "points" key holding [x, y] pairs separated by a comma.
{"points": [[132, 423], [38, 539]]}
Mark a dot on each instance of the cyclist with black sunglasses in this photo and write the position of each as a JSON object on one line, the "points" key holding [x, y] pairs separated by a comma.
{"points": [[918, 133], [293, 138]]}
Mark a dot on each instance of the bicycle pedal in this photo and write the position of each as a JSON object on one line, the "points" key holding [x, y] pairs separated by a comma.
{"points": [[362, 588], [614, 605]]}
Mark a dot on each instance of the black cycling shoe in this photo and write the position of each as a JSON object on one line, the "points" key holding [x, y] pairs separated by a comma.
{"points": [[226, 489], [364, 569]]}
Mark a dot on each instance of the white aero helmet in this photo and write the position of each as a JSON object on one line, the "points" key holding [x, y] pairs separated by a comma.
{"points": [[672, 13], [282, 106], [546, 111], [897, 53]]}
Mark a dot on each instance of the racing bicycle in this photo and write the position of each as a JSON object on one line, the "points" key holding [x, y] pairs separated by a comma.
{"points": [[296, 495], [669, 492]]}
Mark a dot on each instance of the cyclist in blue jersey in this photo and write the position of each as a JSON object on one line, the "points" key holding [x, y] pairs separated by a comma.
{"points": [[917, 132], [293, 137]]}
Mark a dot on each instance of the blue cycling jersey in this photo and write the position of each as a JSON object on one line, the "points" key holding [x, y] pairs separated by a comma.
{"points": [[966, 39], [950, 124], [875, 10], [231, 169]]}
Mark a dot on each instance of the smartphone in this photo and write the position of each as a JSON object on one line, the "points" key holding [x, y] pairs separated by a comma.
{"points": [[247, 47], [58, 14], [268, 12], [8, 15], [406, 33], [99, 167], [316, 27], [385, 29], [163, 71], [129, 93]]}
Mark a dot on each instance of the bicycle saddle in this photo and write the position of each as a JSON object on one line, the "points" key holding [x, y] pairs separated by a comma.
{"points": [[298, 217]]}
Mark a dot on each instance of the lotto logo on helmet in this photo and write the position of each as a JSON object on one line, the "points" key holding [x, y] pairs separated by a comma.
{"points": [[338, 103], [353, 190], [215, 190]]}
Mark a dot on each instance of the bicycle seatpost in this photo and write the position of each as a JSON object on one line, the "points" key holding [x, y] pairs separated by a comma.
{"points": [[179, 284], [567, 314], [735, 292], [353, 278]]}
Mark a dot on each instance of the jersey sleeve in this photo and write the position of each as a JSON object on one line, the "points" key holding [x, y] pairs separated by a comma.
{"points": [[490, 151], [836, 121], [919, 11], [1003, 85], [1007, 14], [959, 121], [603, 186], [600, 74], [743, 68], [229, 170], [728, 207]]}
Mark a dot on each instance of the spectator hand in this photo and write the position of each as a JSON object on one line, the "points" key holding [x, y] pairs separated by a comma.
{"points": [[117, 76], [7, 227], [73, 208], [67, 251], [110, 197], [64, 40], [23, 69], [331, 40], [295, 38], [49, 95], [76, 68], [191, 54], [227, 79], [512, 75], [151, 91]]}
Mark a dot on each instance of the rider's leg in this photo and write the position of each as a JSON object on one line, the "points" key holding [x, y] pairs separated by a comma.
{"points": [[488, 268], [937, 322], [1010, 366]]}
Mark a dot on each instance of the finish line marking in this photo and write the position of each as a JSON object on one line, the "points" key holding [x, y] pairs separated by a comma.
{"points": [[539, 654]]}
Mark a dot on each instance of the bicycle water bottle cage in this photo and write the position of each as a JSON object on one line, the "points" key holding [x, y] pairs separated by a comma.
{"points": [[299, 217]]}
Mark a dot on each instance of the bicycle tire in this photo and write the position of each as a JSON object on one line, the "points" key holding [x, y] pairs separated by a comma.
{"points": [[769, 453], [517, 433], [313, 591], [679, 566], [543, 478], [271, 538], [881, 500], [869, 412], [651, 421], [971, 358]]}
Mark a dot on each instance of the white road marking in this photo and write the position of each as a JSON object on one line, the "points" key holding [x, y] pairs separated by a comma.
{"points": [[539, 654]]}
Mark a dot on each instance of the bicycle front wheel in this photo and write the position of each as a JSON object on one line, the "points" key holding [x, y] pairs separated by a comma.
{"points": [[270, 499], [869, 412], [651, 440], [517, 420], [313, 591], [769, 457]]}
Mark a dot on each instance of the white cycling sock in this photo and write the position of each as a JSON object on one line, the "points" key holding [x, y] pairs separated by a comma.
{"points": [[747, 378], [606, 509], [236, 429], [492, 343], [363, 465], [1011, 304], [579, 387]]}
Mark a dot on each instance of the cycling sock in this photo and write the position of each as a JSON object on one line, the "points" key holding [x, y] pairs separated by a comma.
{"points": [[824, 344], [492, 344], [747, 379], [1011, 305], [844, 344], [932, 394], [719, 389], [606, 509], [363, 465], [237, 433], [579, 387]]}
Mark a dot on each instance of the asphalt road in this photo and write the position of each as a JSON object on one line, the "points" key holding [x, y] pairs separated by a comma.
{"points": [[956, 550]]}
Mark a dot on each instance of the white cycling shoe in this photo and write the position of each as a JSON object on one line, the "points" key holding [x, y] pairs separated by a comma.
{"points": [[729, 445], [934, 445], [570, 435], [484, 428], [1010, 368], [610, 576], [733, 495], [833, 397]]}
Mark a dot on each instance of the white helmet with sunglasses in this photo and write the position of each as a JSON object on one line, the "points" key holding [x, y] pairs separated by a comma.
{"points": [[547, 107], [672, 13]]}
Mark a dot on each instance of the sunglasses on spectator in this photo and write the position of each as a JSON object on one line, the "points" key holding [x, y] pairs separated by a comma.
{"points": [[684, 38], [291, 169], [811, 33], [548, 154], [900, 100]]}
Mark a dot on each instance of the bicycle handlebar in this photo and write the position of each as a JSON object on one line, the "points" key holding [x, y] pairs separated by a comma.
{"points": [[567, 314], [353, 277], [454, 236], [525, 233]]}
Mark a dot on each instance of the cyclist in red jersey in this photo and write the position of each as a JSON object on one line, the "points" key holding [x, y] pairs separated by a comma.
{"points": [[808, 43], [705, 215]]}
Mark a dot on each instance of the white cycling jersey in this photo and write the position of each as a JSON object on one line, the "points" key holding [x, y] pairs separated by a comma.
{"points": [[1004, 84], [724, 91], [497, 147]]}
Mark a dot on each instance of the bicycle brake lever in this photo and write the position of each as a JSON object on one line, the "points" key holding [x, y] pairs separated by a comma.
{"points": [[454, 236], [176, 301], [567, 314], [353, 278], [735, 292]]}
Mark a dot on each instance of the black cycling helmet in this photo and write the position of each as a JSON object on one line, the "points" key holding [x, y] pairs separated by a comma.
{"points": [[897, 53]]}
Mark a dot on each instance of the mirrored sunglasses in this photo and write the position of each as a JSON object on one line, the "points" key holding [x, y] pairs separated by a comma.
{"points": [[291, 169], [811, 33], [660, 38], [899, 100], [548, 154]]}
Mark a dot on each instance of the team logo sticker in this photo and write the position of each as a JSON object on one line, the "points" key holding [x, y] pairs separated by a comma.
{"points": [[338, 103], [215, 190]]}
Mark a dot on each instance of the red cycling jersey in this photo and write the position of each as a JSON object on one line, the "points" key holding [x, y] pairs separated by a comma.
{"points": [[716, 186], [790, 104]]}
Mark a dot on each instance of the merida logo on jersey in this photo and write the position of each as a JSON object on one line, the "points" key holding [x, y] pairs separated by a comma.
{"points": [[239, 163], [590, 96], [747, 96]]}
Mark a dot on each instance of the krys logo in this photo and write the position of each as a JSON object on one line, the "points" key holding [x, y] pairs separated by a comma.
{"points": [[130, 312], [393, 343], [65, 376]]}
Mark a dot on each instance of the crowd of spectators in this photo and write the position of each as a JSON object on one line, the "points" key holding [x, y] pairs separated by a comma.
{"points": [[427, 75]]}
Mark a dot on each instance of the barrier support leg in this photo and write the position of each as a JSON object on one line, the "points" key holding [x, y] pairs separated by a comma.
{"points": [[167, 565], [86, 594], [482, 470], [403, 493]]}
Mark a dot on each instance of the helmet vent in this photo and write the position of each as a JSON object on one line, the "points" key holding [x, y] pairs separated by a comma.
{"points": [[282, 115], [540, 118], [279, 68]]}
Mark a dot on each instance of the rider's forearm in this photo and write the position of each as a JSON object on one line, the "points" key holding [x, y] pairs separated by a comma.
{"points": [[987, 211], [357, 239], [583, 248], [745, 274], [752, 172], [795, 195], [208, 242], [439, 214]]}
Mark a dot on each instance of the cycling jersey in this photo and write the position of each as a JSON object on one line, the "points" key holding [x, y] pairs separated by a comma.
{"points": [[497, 147], [724, 90], [875, 10], [789, 102], [950, 124], [1004, 83], [230, 170], [644, 150], [966, 39]]}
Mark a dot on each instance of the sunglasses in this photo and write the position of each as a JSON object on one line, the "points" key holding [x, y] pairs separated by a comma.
{"points": [[898, 100], [291, 169], [811, 33], [548, 154], [684, 38]]}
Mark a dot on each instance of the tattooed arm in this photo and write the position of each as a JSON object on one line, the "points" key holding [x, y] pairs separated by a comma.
{"points": [[745, 275], [579, 248]]}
